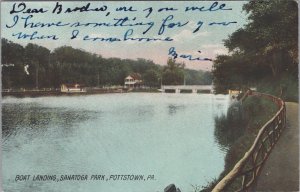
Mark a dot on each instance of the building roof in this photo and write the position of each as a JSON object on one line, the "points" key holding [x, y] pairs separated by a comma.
{"points": [[136, 76], [74, 85]]}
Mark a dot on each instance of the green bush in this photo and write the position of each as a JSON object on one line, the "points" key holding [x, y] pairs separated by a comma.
{"points": [[286, 82]]}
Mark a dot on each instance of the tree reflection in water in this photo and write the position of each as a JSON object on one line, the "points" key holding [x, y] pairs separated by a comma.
{"points": [[35, 118]]}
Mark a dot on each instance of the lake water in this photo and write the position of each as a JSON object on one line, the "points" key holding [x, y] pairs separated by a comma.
{"points": [[170, 136]]}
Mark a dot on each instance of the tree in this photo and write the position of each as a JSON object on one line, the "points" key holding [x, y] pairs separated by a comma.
{"points": [[68, 65], [37, 58], [151, 78], [173, 73], [193, 77], [266, 47], [13, 74]]}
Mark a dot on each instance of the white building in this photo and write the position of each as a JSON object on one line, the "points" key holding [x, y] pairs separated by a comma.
{"points": [[133, 80]]}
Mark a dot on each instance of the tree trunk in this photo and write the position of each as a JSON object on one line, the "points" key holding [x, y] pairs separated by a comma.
{"points": [[273, 68]]}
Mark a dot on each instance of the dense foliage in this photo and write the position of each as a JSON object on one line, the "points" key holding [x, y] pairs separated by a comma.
{"points": [[34, 66], [264, 49]]}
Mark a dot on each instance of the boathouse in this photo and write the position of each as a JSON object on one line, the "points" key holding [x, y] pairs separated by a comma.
{"points": [[133, 80]]}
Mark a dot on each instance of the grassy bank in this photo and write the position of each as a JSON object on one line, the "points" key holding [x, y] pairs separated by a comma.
{"points": [[237, 131], [287, 83]]}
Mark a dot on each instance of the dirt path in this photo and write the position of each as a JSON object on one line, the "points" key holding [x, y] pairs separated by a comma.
{"points": [[281, 170]]}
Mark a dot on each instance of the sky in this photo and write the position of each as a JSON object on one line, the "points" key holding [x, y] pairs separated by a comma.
{"points": [[207, 42]]}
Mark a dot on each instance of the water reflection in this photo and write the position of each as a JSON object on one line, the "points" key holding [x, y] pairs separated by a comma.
{"points": [[33, 117], [174, 108], [229, 127], [112, 134]]}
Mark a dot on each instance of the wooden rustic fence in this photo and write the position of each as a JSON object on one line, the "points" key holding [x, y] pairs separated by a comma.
{"points": [[244, 175]]}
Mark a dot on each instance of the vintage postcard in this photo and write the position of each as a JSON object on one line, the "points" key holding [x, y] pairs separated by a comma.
{"points": [[160, 96]]}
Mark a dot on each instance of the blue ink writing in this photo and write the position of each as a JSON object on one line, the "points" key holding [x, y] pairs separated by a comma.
{"points": [[21, 8], [16, 19], [149, 9], [213, 7], [222, 23], [118, 22], [108, 39], [175, 55], [74, 34], [34, 36], [130, 32], [125, 9], [200, 23], [86, 8], [128, 36], [27, 17], [28, 24], [167, 9], [170, 25]]}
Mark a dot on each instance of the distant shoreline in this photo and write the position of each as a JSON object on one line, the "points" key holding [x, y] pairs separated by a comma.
{"points": [[45, 93], [57, 92], [41, 93]]}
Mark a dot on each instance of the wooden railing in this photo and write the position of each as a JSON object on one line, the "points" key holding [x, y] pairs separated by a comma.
{"points": [[244, 175]]}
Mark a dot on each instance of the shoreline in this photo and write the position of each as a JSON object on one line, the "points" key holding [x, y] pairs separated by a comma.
{"points": [[42, 93], [257, 117], [21, 94]]}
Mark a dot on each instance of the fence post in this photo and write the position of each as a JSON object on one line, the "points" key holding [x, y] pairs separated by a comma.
{"points": [[279, 121]]}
